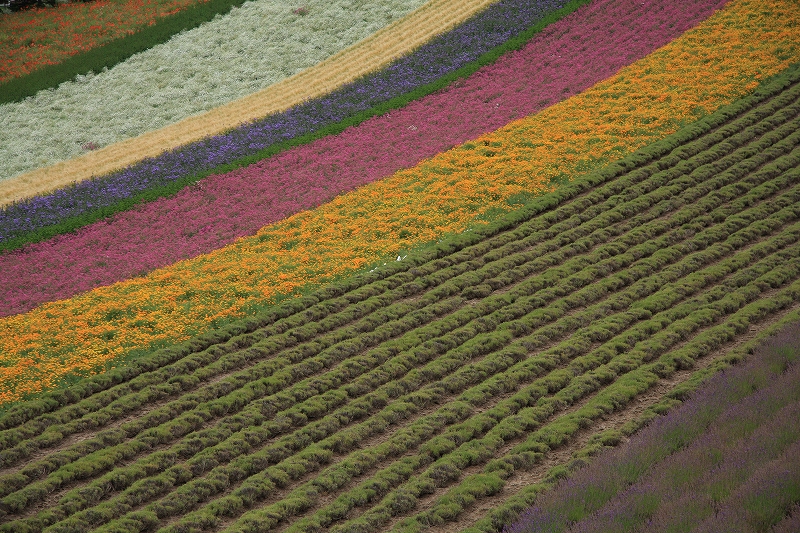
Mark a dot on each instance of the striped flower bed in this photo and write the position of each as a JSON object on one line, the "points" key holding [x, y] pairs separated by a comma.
{"points": [[182, 77], [719, 60], [426, 66], [224, 207], [427, 337]]}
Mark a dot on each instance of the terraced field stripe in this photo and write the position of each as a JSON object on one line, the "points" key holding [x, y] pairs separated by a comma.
{"points": [[757, 121], [84, 333], [345, 66], [221, 208], [655, 256]]}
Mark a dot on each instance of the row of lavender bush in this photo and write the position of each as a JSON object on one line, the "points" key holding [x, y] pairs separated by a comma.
{"points": [[728, 459], [459, 52]]}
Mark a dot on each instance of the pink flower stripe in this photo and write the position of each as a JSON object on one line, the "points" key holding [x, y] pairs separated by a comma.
{"points": [[569, 56]]}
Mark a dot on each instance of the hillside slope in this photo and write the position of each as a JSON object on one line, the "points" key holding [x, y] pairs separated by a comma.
{"points": [[398, 399]]}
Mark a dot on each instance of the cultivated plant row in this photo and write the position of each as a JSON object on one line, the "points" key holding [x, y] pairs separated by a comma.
{"points": [[580, 304], [726, 460]]}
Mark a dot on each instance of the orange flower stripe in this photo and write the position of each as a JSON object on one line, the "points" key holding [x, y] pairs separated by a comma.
{"points": [[712, 65]]}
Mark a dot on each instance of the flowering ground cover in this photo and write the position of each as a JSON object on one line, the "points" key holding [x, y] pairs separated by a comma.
{"points": [[426, 394], [45, 36], [255, 46], [725, 460], [709, 66], [104, 55], [426, 68], [589, 45]]}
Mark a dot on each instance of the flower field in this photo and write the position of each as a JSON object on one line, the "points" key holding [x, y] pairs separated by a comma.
{"points": [[238, 203], [46, 36], [180, 78], [419, 300], [396, 214]]}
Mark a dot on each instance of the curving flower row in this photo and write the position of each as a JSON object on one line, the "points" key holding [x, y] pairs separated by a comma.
{"points": [[709, 66], [254, 45], [568, 57]]}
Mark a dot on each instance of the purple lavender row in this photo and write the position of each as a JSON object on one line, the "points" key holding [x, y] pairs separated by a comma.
{"points": [[683, 490], [443, 55], [768, 501], [719, 450]]}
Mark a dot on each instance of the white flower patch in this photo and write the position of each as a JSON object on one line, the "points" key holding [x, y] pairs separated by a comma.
{"points": [[252, 47]]}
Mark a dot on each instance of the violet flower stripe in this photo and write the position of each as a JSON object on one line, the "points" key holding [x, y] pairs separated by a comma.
{"points": [[571, 55], [681, 440], [743, 454], [444, 54]]}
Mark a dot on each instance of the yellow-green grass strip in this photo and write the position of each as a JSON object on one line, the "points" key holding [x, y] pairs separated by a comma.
{"points": [[368, 55], [720, 60]]}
